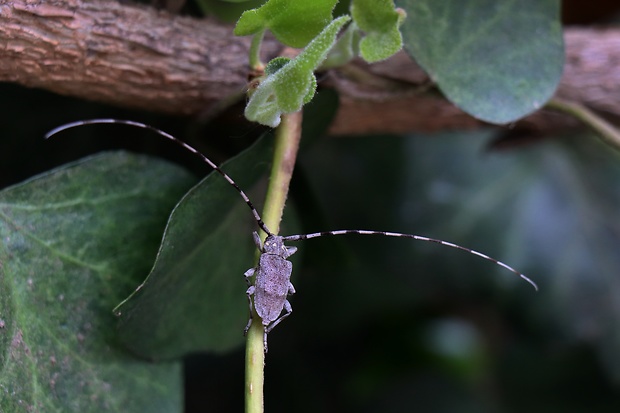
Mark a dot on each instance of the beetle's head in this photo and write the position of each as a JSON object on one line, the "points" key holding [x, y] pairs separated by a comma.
{"points": [[274, 245]]}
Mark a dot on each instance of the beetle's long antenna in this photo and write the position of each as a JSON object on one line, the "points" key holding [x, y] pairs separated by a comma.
{"points": [[411, 236], [166, 135]]}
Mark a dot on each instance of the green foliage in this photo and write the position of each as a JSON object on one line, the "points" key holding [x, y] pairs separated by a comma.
{"points": [[345, 48], [294, 84], [294, 23], [194, 298], [368, 308], [496, 60], [276, 64], [380, 22], [298, 23], [78, 240], [74, 242]]}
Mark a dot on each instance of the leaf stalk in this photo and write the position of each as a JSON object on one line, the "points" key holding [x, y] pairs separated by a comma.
{"points": [[608, 132], [287, 135], [255, 63]]}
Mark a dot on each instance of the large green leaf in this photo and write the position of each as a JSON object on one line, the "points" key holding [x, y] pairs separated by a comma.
{"points": [[194, 298], [74, 242], [496, 60]]}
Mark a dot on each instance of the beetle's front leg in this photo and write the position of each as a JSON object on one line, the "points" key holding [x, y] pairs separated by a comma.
{"points": [[249, 274], [257, 241], [250, 292]]}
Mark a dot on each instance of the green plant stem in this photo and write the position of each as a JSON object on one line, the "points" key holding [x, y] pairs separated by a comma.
{"points": [[287, 136], [255, 62], [608, 132]]}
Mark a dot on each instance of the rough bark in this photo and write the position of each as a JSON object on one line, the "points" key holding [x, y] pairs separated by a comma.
{"points": [[125, 55], [138, 57]]}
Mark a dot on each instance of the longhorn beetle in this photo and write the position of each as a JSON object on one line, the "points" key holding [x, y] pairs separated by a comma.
{"points": [[272, 275]]}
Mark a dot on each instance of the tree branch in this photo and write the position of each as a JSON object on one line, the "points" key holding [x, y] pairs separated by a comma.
{"points": [[138, 57], [130, 56]]}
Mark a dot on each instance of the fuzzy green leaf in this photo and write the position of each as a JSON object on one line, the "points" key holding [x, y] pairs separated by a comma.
{"points": [[381, 22], [294, 84], [74, 242], [276, 64], [345, 49], [496, 60], [194, 298], [294, 23]]}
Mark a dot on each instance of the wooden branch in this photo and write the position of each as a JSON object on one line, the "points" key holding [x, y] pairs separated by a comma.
{"points": [[123, 55], [138, 57]]}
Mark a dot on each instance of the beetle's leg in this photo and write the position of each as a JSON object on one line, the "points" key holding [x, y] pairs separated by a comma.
{"points": [[291, 289], [290, 251], [248, 274], [287, 312], [249, 293], [257, 242]]}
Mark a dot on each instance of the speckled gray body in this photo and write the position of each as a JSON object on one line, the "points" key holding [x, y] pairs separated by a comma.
{"points": [[272, 283]]}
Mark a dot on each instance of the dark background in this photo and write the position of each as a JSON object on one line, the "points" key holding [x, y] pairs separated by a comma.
{"points": [[385, 325]]}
